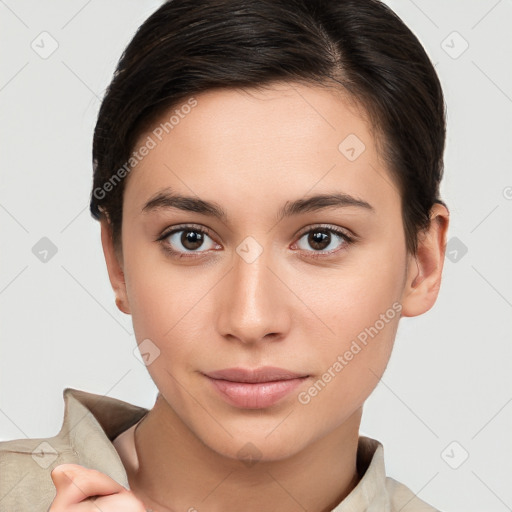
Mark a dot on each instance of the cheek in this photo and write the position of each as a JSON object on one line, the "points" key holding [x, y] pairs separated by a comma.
{"points": [[361, 306], [169, 307], [352, 365], [155, 296], [355, 297]]}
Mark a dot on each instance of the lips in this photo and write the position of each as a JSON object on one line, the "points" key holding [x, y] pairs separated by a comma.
{"points": [[262, 374]]}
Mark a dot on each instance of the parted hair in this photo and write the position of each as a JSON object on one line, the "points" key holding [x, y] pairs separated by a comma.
{"points": [[360, 47]]}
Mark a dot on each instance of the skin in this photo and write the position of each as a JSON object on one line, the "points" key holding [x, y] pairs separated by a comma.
{"points": [[79, 489], [251, 151]]}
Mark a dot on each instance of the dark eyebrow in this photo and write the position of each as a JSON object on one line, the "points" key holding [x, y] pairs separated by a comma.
{"points": [[321, 201], [166, 199]]}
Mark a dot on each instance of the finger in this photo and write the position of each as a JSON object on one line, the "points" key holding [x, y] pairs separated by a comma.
{"points": [[125, 501], [75, 483]]}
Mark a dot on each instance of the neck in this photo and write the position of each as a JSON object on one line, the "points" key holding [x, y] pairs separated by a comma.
{"points": [[176, 471]]}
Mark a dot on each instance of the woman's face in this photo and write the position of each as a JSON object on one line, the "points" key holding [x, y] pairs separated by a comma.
{"points": [[258, 288]]}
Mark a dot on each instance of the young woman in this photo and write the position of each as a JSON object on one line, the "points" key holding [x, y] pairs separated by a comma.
{"points": [[266, 176]]}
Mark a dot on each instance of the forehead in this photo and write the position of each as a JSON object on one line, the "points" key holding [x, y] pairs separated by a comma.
{"points": [[249, 144]]}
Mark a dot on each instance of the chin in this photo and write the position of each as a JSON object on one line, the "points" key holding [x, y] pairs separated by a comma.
{"points": [[249, 447]]}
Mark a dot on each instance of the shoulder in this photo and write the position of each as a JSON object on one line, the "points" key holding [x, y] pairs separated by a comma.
{"points": [[404, 500], [379, 491], [90, 423], [25, 466]]}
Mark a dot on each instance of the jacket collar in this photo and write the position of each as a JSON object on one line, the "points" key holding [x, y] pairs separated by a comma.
{"points": [[92, 421]]}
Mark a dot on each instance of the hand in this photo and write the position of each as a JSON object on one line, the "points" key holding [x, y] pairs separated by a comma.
{"points": [[80, 489]]}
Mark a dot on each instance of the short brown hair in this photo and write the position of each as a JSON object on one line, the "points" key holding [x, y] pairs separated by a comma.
{"points": [[361, 46]]}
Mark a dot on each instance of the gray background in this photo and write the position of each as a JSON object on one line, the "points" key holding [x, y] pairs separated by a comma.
{"points": [[447, 392]]}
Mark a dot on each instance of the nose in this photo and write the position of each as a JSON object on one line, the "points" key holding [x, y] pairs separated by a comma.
{"points": [[254, 303]]}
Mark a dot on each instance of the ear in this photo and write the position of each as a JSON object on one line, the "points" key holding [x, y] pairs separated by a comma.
{"points": [[425, 268], [114, 263]]}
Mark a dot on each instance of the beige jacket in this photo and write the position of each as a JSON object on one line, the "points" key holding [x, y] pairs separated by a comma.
{"points": [[91, 422]]}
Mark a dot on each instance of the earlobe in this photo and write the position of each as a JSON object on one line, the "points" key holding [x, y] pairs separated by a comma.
{"points": [[120, 305], [114, 267], [425, 268]]}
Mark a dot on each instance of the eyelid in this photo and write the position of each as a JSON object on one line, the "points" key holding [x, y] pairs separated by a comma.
{"points": [[181, 227], [331, 227], [347, 235], [184, 255], [344, 231]]}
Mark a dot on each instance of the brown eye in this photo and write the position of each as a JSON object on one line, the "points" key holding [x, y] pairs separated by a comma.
{"points": [[319, 239], [187, 239], [324, 239], [191, 239]]}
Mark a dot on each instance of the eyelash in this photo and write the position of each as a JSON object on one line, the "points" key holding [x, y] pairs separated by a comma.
{"points": [[347, 240]]}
